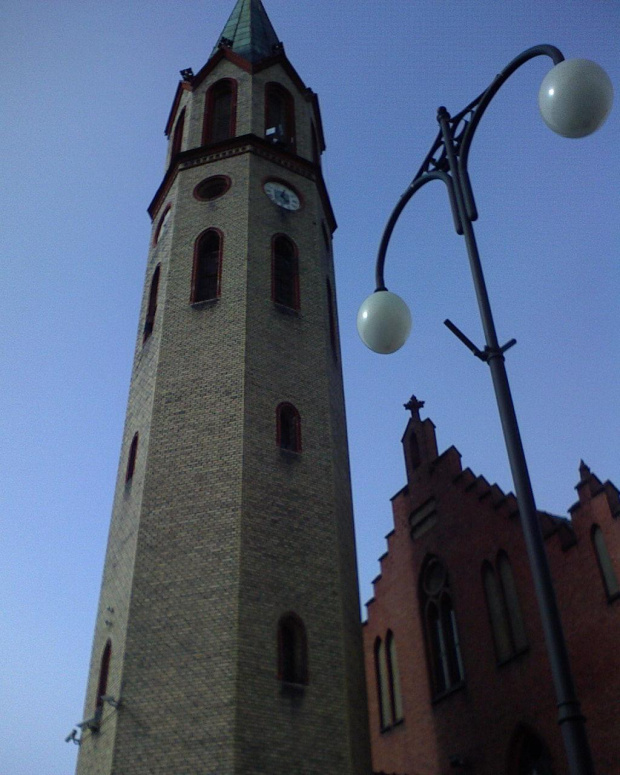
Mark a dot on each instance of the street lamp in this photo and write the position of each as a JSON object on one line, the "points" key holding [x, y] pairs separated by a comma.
{"points": [[574, 99]]}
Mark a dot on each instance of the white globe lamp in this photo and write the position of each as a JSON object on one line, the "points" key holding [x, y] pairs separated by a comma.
{"points": [[384, 322], [575, 97]]}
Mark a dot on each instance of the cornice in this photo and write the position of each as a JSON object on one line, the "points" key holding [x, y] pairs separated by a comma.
{"points": [[237, 146]]}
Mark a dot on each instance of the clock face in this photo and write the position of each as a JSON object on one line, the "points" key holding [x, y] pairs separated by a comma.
{"points": [[282, 195]]}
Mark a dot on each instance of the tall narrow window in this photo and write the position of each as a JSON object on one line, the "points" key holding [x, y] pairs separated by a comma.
{"points": [[442, 641], [207, 266], [220, 111], [104, 669], [396, 699], [316, 154], [149, 321], [279, 116], [292, 650], [497, 613], [608, 573], [333, 340], [131, 459], [177, 137], [505, 616], [511, 600], [288, 430], [285, 272], [383, 691], [414, 451]]}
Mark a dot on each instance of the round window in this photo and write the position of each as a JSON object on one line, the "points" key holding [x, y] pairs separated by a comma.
{"points": [[212, 188]]}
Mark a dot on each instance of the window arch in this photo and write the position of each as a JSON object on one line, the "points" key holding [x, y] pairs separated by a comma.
{"points": [[511, 599], [608, 573], [439, 619], [131, 459], [288, 428], [102, 685], [220, 111], [528, 754], [285, 272], [162, 225], [396, 699], [207, 266], [383, 692], [316, 153], [149, 320], [414, 450], [505, 616], [292, 650], [497, 613], [177, 137], [279, 116]]}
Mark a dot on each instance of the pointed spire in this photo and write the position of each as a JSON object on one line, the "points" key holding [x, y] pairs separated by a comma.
{"points": [[249, 33], [584, 471]]}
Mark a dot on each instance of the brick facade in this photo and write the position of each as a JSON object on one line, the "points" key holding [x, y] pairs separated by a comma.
{"points": [[482, 721], [219, 532]]}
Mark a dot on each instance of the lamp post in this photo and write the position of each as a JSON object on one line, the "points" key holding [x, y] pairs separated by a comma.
{"points": [[574, 99]]}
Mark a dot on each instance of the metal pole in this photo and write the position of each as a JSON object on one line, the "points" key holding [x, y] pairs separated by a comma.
{"points": [[570, 718]]}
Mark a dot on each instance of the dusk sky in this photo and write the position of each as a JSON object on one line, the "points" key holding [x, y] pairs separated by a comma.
{"points": [[86, 90]]}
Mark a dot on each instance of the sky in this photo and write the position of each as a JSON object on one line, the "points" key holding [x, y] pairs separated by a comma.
{"points": [[85, 92]]}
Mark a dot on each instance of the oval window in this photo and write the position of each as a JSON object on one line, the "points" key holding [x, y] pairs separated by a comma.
{"points": [[212, 188]]}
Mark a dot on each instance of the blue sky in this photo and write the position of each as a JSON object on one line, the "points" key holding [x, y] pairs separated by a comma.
{"points": [[86, 90]]}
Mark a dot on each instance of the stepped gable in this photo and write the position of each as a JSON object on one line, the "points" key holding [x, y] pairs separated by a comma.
{"points": [[590, 487]]}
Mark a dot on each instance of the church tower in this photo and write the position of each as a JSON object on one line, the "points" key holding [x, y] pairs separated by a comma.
{"points": [[228, 638]]}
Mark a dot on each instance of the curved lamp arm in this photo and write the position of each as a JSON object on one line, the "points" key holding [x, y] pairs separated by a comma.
{"points": [[477, 108], [415, 185], [435, 165]]}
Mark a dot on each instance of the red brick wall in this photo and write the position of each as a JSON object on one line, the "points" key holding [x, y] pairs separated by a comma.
{"points": [[476, 723]]}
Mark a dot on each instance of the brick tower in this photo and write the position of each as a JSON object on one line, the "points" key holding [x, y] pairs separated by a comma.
{"points": [[228, 639]]}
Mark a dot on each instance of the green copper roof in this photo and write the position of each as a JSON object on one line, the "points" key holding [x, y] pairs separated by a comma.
{"points": [[249, 31]]}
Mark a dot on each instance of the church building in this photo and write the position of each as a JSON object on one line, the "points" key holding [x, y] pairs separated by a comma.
{"points": [[228, 638], [457, 670]]}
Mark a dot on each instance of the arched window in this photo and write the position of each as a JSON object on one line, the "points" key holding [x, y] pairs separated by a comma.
{"points": [[207, 266], [396, 699], [497, 614], [288, 428], [316, 153], [511, 600], [504, 610], [414, 450], [608, 573], [285, 272], [162, 226], [279, 116], [220, 111], [131, 459], [102, 685], [528, 754], [333, 339], [292, 650], [383, 691], [442, 641], [149, 321], [177, 137]]}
